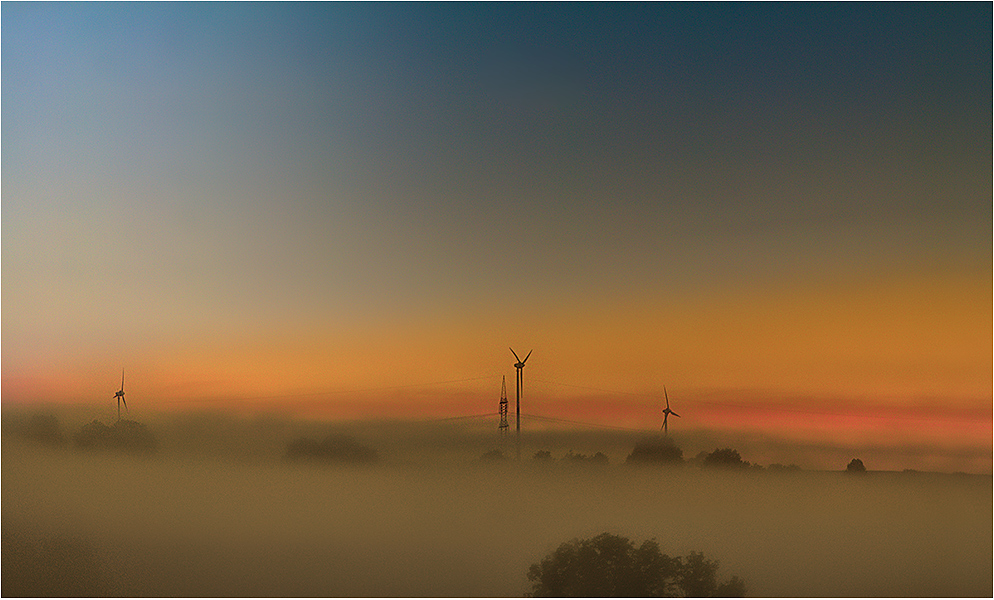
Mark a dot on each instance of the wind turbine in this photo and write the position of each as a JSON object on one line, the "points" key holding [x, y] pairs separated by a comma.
{"points": [[120, 397], [519, 366], [667, 412]]}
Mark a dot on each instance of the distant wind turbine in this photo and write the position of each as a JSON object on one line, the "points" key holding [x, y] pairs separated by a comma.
{"points": [[520, 365], [667, 412], [120, 397]]}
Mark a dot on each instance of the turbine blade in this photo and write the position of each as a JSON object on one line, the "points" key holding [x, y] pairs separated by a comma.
{"points": [[515, 354], [122, 379], [674, 414], [125, 403], [526, 356], [667, 397]]}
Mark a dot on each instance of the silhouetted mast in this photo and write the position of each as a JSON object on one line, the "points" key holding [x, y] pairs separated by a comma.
{"points": [[520, 365], [503, 427]]}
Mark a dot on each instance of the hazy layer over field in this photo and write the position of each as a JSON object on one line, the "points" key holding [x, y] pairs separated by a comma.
{"points": [[213, 514]]}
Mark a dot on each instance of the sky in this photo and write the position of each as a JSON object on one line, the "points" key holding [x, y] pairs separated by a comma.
{"points": [[782, 213]]}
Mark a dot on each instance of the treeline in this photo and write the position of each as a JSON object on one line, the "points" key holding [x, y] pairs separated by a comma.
{"points": [[132, 436], [124, 435], [653, 451]]}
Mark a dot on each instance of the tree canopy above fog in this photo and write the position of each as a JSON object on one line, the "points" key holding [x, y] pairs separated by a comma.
{"points": [[655, 451], [725, 458], [130, 436], [611, 566], [334, 448]]}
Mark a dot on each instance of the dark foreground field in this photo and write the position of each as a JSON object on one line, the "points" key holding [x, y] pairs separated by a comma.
{"points": [[174, 524]]}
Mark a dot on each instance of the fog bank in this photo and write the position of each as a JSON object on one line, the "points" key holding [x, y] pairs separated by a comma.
{"points": [[190, 522]]}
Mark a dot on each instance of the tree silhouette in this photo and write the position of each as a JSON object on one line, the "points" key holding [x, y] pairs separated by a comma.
{"points": [[44, 429], [129, 436], [494, 455], [655, 450], [543, 456], [855, 466], [699, 579], [334, 448], [611, 566], [598, 458], [724, 458]]}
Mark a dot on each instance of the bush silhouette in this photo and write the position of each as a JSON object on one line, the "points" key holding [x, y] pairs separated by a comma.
{"points": [[855, 466], [699, 579], [611, 566], [334, 448], [130, 436], [724, 458], [599, 458], [655, 450], [43, 429], [542, 456], [494, 455]]}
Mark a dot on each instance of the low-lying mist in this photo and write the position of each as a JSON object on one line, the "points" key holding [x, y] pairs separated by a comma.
{"points": [[218, 511]]}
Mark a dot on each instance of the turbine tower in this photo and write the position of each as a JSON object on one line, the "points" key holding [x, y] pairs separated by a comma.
{"points": [[667, 412], [520, 365], [503, 427], [120, 397]]}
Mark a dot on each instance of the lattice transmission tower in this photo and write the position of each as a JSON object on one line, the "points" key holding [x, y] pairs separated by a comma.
{"points": [[503, 427]]}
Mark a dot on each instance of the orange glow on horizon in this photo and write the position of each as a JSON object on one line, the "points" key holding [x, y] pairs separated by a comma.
{"points": [[899, 340]]}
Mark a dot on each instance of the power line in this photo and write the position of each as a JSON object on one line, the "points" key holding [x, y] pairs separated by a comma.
{"points": [[571, 422], [463, 418], [333, 392], [596, 389], [776, 408]]}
